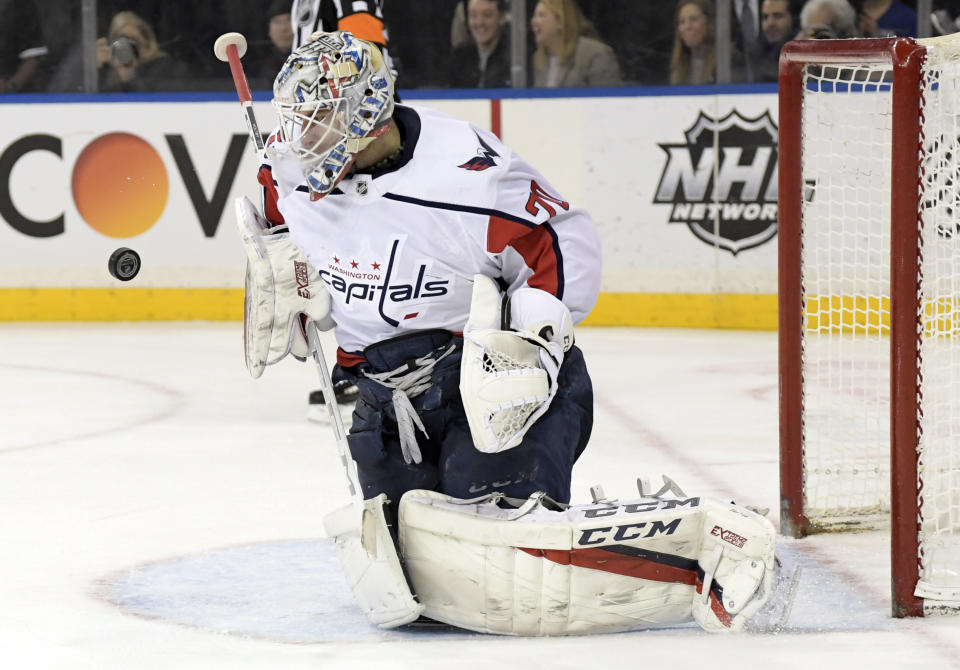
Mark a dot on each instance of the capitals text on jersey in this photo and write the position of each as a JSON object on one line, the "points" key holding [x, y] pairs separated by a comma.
{"points": [[394, 293]]}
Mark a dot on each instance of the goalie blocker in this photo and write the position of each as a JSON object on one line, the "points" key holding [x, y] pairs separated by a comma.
{"points": [[548, 569], [282, 293]]}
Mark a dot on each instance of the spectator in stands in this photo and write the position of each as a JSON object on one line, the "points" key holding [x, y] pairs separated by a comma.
{"points": [[485, 62], [694, 51], [944, 19], [641, 34], [459, 31], [777, 25], [131, 60], [274, 54], [420, 41], [777, 21], [827, 19], [60, 22], [887, 18], [22, 45], [745, 36], [568, 52]]}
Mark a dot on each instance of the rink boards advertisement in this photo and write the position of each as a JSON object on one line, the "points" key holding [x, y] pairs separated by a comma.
{"points": [[683, 189]]}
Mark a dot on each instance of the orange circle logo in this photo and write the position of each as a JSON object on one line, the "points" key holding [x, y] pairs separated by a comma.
{"points": [[120, 185]]}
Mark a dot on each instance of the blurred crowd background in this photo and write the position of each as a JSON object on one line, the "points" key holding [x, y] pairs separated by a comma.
{"points": [[62, 46]]}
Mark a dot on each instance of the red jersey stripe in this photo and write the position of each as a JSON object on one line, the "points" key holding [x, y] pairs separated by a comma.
{"points": [[347, 360], [534, 244], [270, 197]]}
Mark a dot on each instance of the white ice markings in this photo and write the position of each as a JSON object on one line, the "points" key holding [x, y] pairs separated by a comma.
{"points": [[293, 591]]}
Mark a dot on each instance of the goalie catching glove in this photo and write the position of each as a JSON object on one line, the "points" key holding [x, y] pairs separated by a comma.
{"points": [[283, 293], [512, 351]]}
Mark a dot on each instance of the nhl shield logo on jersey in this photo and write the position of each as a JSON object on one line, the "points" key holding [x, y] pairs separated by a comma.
{"points": [[483, 159], [726, 192]]}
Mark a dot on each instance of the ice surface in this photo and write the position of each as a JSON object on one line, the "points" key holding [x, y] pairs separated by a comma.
{"points": [[160, 509]]}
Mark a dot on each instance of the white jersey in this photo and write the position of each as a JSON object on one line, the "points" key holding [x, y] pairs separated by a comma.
{"points": [[398, 250]]}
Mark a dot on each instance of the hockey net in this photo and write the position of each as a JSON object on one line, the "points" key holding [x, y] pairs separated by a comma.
{"points": [[870, 302]]}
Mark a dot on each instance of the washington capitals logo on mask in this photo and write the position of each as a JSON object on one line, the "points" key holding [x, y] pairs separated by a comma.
{"points": [[484, 160]]}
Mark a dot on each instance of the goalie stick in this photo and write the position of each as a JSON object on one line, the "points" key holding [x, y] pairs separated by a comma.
{"points": [[336, 420], [230, 48]]}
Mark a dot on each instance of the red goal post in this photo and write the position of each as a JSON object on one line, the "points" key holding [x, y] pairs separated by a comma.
{"points": [[869, 302]]}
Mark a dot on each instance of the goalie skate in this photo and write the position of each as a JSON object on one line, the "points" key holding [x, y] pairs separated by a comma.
{"points": [[773, 616]]}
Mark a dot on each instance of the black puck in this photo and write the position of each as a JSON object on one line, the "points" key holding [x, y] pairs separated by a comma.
{"points": [[124, 264]]}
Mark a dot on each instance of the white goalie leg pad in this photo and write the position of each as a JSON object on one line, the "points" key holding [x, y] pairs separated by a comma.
{"points": [[281, 284], [597, 568], [738, 564], [507, 378], [370, 564]]}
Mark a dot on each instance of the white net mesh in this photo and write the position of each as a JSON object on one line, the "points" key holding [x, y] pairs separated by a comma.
{"points": [[939, 436], [845, 264], [845, 275]]}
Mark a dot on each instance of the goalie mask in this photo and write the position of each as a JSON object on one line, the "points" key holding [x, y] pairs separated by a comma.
{"points": [[334, 96]]}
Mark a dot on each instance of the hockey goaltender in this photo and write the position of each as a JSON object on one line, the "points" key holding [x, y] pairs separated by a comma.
{"points": [[453, 274]]}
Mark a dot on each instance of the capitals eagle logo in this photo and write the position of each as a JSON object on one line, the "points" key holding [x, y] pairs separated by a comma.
{"points": [[485, 158]]}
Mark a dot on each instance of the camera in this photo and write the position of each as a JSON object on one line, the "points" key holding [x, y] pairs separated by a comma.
{"points": [[124, 50]]}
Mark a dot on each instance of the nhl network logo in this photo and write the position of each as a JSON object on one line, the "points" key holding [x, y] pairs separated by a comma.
{"points": [[725, 191]]}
